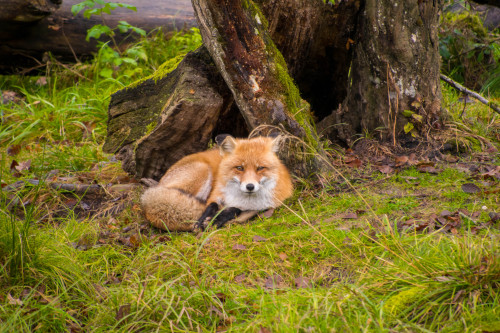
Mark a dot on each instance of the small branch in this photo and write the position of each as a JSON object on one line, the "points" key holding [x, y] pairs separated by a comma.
{"points": [[474, 94], [75, 188]]}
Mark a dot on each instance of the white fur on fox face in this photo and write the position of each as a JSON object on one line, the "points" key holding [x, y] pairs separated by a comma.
{"points": [[237, 195]]}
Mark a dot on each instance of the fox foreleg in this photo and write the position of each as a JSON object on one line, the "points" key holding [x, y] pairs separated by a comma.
{"points": [[227, 214]]}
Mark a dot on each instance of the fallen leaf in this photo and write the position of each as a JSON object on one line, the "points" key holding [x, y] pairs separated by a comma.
{"points": [[283, 256], [302, 282], [239, 278], [445, 213], [401, 160], [10, 96], [385, 169], [23, 166], [347, 216], [221, 297], [273, 281], [264, 330], [13, 150], [494, 216], [427, 169], [267, 213], [353, 162], [13, 301], [257, 238], [42, 81], [123, 311], [470, 188], [239, 247], [13, 166]]}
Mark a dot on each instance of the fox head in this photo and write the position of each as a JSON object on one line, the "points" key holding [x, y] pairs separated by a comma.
{"points": [[249, 172]]}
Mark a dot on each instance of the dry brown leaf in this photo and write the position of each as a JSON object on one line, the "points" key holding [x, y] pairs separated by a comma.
{"points": [[302, 282], [353, 162], [283, 256], [123, 311], [385, 169], [42, 81], [257, 238], [13, 301], [401, 160], [13, 150], [347, 216], [240, 278], [273, 281], [470, 188], [239, 247]]}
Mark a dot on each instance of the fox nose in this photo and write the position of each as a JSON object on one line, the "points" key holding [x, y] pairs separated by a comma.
{"points": [[250, 187]]}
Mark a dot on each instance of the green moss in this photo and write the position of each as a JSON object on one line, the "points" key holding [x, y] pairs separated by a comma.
{"points": [[467, 20], [162, 71], [151, 126], [255, 11], [397, 303]]}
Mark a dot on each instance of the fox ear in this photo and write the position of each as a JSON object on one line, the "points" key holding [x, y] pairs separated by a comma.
{"points": [[275, 144], [227, 146]]}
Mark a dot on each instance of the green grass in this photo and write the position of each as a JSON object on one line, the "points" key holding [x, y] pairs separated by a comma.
{"points": [[315, 270]]}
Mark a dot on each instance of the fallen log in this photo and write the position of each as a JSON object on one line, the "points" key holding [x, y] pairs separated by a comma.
{"points": [[29, 29]]}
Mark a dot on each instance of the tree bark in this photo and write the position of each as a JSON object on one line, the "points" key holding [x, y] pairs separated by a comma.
{"points": [[247, 59], [395, 67], [29, 29], [235, 34], [27, 10], [315, 38]]}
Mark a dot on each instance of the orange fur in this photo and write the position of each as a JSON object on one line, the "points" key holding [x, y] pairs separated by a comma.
{"points": [[199, 179]]}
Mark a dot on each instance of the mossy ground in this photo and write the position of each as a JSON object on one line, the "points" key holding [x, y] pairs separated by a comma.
{"points": [[362, 252]]}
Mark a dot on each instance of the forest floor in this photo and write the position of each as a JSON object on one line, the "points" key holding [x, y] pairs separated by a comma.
{"points": [[382, 242]]}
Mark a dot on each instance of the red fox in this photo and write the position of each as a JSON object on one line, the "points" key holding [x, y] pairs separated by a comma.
{"points": [[242, 175]]}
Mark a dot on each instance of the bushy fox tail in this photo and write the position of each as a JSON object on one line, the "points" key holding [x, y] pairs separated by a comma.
{"points": [[171, 209]]}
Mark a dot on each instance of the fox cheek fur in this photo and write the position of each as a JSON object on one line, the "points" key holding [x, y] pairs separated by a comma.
{"points": [[236, 194]]}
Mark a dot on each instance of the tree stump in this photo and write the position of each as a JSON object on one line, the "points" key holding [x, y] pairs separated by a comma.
{"points": [[155, 123]]}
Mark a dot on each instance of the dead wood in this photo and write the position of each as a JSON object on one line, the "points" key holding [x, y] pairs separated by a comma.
{"points": [[158, 121], [29, 29], [469, 92]]}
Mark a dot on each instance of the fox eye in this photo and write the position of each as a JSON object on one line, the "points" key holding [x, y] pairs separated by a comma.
{"points": [[239, 168], [260, 168]]}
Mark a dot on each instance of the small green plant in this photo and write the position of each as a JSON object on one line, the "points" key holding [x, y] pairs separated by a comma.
{"points": [[469, 52], [108, 57]]}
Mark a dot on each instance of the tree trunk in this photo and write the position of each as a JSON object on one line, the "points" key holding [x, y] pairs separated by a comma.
{"points": [[29, 28], [314, 38], [395, 68], [236, 36]]}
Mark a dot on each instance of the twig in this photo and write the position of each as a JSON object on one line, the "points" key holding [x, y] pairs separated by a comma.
{"points": [[76, 188], [474, 94]]}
